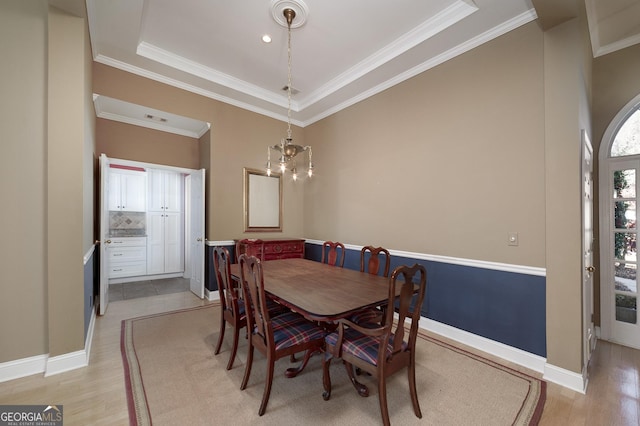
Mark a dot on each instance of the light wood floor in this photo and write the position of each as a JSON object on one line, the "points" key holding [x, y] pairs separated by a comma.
{"points": [[95, 395]]}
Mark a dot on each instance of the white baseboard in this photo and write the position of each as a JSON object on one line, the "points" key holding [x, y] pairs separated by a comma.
{"points": [[89, 340], [211, 295], [50, 365], [568, 379], [22, 367], [73, 360], [66, 362], [508, 353]]}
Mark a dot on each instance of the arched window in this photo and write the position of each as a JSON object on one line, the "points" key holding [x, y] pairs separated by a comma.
{"points": [[627, 140]]}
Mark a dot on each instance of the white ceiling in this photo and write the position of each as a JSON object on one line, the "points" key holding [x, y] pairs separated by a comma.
{"points": [[613, 24], [344, 52]]}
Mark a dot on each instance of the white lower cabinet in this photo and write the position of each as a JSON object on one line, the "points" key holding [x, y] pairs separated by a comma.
{"points": [[165, 243], [127, 257]]}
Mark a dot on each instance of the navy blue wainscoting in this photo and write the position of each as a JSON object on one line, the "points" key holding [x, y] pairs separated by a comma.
{"points": [[210, 279], [506, 307]]}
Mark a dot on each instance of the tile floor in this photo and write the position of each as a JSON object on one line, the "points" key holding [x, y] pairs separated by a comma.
{"points": [[147, 288]]}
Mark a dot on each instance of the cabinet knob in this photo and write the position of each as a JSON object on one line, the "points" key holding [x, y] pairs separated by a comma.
{"points": [[108, 242]]}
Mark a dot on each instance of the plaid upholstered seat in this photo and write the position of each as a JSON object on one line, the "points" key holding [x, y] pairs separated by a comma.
{"points": [[292, 329], [360, 345]]}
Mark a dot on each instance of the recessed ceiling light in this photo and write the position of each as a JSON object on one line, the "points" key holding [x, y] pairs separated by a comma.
{"points": [[266, 38]]}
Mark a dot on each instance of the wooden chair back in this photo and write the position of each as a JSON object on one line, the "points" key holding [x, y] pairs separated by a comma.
{"points": [[333, 253], [372, 266], [232, 307], [228, 291], [258, 319], [408, 306]]}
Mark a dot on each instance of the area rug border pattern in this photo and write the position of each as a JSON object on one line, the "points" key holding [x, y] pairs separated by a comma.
{"points": [[136, 396], [138, 406], [537, 387]]}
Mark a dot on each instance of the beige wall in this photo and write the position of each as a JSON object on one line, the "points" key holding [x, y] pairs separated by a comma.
{"points": [[237, 139], [615, 83], [446, 163], [23, 108], [566, 105], [47, 156], [135, 143], [66, 142]]}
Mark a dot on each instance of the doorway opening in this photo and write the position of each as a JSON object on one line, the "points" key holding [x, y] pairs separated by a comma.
{"points": [[619, 198]]}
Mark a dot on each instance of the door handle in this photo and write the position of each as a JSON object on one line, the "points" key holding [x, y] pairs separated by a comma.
{"points": [[199, 239]]}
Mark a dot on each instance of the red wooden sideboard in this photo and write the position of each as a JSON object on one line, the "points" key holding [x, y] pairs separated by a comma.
{"points": [[273, 248]]}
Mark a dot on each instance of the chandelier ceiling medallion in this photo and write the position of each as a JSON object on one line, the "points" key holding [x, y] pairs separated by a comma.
{"points": [[290, 14]]}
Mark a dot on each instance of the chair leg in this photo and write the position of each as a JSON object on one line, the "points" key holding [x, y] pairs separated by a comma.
{"points": [[362, 390], [223, 325], [382, 396], [326, 377], [267, 385], [234, 349], [247, 368], [294, 371], [413, 390]]}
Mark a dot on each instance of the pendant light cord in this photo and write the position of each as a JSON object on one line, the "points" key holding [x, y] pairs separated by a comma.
{"points": [[289, 81]]}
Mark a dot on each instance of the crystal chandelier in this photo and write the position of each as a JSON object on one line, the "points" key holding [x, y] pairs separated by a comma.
{"points": [[286, 149]]}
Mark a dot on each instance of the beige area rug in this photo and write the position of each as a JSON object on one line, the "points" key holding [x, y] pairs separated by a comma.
{"points": [[172, 377]]}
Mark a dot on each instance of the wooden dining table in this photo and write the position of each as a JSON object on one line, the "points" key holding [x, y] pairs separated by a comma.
{"points": [[322, 293], [318, 291]]}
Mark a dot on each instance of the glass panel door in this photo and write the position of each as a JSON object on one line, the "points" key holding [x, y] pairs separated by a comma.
{"points": [[622, 276]]}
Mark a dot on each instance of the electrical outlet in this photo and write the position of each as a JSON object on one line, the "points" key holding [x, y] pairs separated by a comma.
{"points": [[512, 238]]}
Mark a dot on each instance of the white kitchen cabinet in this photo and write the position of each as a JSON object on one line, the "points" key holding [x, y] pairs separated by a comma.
{"points": [[165, 243], [165, 191], [127, 257], [127, 190]]}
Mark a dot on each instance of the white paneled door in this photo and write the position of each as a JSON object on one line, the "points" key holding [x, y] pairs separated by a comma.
{"points": [[587, 245], [196, 231], [104, 235]]}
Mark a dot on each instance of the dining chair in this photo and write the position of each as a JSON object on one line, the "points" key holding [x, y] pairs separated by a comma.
{"points": [[333, 253], [250, 246], [384, 350], [371, 258], [231, 305], [275, 336]]}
